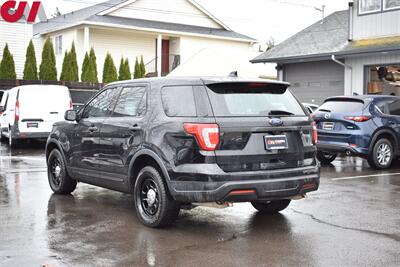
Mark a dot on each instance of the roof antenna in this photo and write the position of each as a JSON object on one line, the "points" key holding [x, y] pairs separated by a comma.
{"points": [[233, 74]]}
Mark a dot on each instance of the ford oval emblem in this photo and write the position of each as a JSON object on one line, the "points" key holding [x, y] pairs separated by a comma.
{"points": [[276, 122]]}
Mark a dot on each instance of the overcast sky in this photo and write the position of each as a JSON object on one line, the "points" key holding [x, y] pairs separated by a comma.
{"points": [[260, 19]]}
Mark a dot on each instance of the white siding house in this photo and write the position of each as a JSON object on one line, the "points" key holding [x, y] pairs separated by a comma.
{"points": [[353, 51], [167, 35], [17, 36]]}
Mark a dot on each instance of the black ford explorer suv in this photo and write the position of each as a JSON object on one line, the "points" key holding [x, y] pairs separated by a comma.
{"points": [[173, 142]]}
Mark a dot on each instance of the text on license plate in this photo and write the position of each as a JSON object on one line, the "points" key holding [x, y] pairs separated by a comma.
{"points": [[276, 142], [32, 125]]}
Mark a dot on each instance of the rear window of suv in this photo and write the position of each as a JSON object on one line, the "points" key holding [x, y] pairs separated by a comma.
{"points": [[253, 100], [342, 106]]}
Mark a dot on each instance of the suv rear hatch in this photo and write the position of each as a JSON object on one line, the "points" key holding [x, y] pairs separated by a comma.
{"points": [[339, 117], [262, 127]]}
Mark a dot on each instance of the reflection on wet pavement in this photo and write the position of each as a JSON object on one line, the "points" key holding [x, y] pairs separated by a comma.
{"points": [[352, 222]]}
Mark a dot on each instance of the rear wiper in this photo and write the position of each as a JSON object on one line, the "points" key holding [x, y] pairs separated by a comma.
{"points": [[280, 112], [325, 110]]}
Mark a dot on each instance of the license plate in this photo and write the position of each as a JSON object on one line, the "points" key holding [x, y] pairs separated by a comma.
{"points": [[32, 125], [276, 142], [329, 126]]}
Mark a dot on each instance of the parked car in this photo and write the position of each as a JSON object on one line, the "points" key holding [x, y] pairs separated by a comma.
{"points": [[311, 107], [365, 126], [174, 142], [30, 111]]}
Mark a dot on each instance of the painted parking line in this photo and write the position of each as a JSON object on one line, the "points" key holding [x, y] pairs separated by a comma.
{"points": [[23, 171], [365, 176], [22, 158]]}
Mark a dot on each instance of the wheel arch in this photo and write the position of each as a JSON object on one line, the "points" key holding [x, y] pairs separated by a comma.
{"points": [[385, 133], [52, 144], [144, 158]]}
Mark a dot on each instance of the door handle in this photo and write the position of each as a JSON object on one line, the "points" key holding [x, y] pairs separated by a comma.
{"points": [[93, 129], [135, 128], [392, 123]]}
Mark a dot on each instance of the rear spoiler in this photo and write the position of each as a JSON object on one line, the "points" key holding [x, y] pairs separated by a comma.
{"points": [[344, 99], [248, 87]]}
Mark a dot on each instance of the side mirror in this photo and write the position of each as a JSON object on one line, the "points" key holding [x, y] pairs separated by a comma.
{"points": [[71, 115]]}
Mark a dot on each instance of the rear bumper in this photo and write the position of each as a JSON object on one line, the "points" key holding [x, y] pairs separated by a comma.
{"points": [[17, 134], [261, 185], [341, 148]]}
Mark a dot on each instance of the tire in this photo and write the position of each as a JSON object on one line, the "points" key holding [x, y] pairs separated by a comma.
{"points": [[154, 205], [59, 180], [271, 207], [382, 155], [326, 158]]}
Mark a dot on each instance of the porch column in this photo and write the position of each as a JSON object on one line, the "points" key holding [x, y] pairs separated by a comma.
{"points": [[86, 40], [159, 55]]}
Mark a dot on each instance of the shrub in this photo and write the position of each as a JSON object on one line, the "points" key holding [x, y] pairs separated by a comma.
{"points": [[73, 64], [109, 70], [137, 72], [124, 70], [30, 68], [7, 65], [142, 68], [85, 76], [93, 75], [48, 69], [66, 68]]}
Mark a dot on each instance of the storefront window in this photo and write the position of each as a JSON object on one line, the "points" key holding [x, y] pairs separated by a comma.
{"points": [[391, 4], [368, 6], [383, 80]]}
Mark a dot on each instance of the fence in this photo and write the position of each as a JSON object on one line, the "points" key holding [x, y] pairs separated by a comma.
{"points": [[80, 92]]}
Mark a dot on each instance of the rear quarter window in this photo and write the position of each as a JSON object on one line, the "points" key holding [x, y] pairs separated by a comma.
{"points": [[178, 101]]}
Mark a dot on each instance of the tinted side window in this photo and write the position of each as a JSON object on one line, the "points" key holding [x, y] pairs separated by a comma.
{"points": [[6, 102], [101, 105], [131, 102], [178, 101], [390, 107], [394, 108]]}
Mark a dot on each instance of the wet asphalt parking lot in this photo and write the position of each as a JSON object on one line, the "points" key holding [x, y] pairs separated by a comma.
{"points": [[353, 220]]}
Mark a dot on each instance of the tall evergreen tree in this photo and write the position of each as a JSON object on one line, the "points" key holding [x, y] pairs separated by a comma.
{"points": [[7, 65], [48, 69], [137, 72], [73, 62], [124, 70], [142, 68], [128, 69], [30, 69], [93, 67], [66, 68], [85, 76], [109, 70]]}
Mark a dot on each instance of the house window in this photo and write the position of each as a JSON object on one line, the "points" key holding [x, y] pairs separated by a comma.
{"points": [[391, 4], [59, 45], [369, 6]]}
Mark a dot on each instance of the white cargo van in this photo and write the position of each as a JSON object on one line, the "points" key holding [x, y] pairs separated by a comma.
{"points": [[30, 111]]}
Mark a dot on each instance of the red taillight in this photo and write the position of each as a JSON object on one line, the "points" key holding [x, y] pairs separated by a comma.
{"points": [[357, 118], [17, 111], [207, 135], [70, 104], [315, 132]]}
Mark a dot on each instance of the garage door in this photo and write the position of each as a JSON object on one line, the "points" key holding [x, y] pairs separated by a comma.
{"points": [[313, 82]]}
